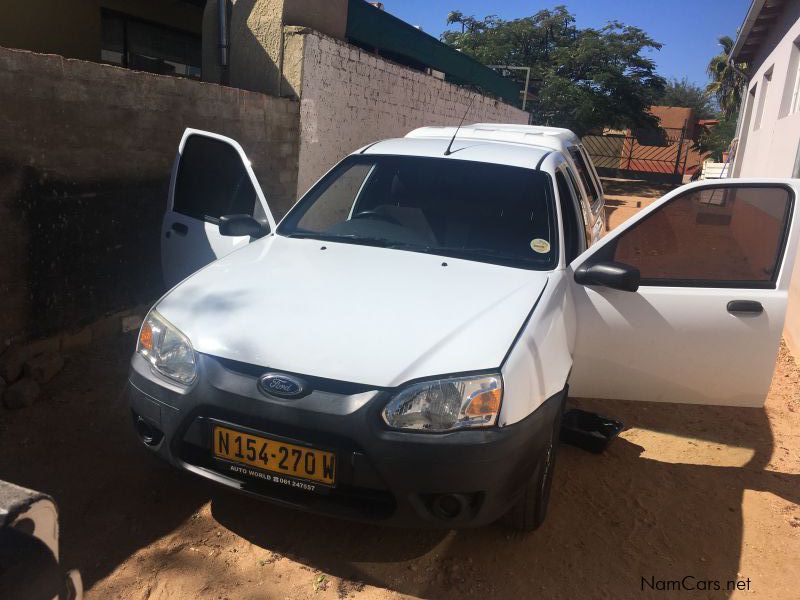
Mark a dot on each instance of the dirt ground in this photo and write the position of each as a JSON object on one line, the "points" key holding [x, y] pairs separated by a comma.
{"points": [[708, 493], [624, 197]]}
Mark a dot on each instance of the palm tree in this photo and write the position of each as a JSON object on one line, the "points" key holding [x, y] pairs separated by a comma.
{"points": [[727, 78]]}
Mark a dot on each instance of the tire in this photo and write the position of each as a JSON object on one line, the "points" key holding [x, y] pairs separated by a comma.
{"points": [[530, 511]]}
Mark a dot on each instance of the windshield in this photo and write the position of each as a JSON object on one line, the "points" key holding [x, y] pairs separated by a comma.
{"points": [[479, 211]]}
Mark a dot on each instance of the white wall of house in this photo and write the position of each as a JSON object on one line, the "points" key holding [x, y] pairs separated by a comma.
{"points": [[769, 131]]}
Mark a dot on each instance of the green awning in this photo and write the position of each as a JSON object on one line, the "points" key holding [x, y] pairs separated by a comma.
{"points": [[373, 27]]}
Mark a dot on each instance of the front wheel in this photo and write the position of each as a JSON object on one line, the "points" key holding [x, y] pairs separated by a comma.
{"points": [[529, 512]]}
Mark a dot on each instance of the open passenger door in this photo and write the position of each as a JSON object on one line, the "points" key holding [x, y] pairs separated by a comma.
{"points": [[212, 180], [713, 261]]}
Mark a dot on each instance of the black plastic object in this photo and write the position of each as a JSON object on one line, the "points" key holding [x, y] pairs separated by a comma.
{"points": [[745, 306], [241, 225], [588, 431], [615, 275]]}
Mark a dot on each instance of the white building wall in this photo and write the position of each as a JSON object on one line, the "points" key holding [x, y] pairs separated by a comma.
{"points": [[772, 149], [350, 98]]}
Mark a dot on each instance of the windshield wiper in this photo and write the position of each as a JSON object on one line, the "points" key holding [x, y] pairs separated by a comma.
{"points": [[465, 251], [346, 239], [457, 252], [489, 253]]}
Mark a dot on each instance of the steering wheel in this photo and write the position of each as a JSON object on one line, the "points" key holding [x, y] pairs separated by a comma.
{"points": [[372, 214]]}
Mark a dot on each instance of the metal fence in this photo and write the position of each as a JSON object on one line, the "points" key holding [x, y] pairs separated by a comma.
{"points": [[661, 153]]}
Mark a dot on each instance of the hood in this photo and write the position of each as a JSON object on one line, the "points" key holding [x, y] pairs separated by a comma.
{"points": [[361, 314]]}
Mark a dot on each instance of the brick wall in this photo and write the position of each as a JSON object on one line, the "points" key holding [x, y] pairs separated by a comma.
{"points": [[85, 156], [350, 98]]}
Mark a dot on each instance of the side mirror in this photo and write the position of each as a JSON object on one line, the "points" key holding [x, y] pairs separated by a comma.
{"points": [[609, 274], [240, 225]]}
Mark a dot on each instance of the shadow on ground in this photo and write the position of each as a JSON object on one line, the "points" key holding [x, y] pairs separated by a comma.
{"points": [[625, 197], [635, 187], [615, 518], [77, 444]]}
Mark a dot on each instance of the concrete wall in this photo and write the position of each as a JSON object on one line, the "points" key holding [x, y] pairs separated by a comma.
{"points": [[255, 32], [350, 98], [772, 148], [328, 17], [256, 38], [71, 28], [85, 155]]}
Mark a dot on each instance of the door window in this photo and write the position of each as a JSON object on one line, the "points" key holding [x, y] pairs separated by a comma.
{"points": [[723, 236], [573, 227], [585, 175], [585, 215], [212, 181]]}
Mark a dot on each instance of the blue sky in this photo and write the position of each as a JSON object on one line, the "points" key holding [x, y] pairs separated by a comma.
{"points": [[688, 28]]}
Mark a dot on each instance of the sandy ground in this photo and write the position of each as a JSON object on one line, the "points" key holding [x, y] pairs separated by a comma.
{"points": [[686, 491], [624, 197]]}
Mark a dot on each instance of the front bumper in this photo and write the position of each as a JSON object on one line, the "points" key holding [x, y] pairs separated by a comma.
{"points": [[384, 476]]}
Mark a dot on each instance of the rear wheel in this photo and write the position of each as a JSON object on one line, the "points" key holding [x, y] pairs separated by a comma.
{"points": [[529, 512]]}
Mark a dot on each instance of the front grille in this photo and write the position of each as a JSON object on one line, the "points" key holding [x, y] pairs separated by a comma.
{"points": [[333, 386]]}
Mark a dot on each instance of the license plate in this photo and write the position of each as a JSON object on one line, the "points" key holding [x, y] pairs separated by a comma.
{"points": [[274, 456]]}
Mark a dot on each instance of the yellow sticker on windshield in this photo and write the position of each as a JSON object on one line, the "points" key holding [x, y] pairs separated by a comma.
{"points": [[541, 246]]}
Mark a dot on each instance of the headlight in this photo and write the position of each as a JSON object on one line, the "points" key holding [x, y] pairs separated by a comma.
{"points": [[167, 349], [446, 404]]}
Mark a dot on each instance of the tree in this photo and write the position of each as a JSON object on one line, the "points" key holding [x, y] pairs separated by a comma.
{"points": [[681, 92], [582, 79], [467, 23], [727, 79], [717, 139]]}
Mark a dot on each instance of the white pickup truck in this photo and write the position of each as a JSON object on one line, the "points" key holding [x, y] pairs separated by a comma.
{"points": [[400, 346]]}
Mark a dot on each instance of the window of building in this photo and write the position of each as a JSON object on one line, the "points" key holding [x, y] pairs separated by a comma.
{"points": [[145, 46], [725, 236], [762, 98], [751, 101], [791, 93], [796, 170]]}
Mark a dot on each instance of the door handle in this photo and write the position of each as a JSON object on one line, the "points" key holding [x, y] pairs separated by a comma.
{"points": [[745, 306], [180, 229]]}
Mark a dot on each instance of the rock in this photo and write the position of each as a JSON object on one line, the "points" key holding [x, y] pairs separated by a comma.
{"points": [[21, 394], [44, 367], [70, 341], [107, 326], [131, 322], [13, 360], [11, 363], [37, 347]]}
